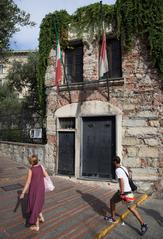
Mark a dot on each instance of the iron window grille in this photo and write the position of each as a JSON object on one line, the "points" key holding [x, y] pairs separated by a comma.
{"points": [[1, 69], [67, 123]]}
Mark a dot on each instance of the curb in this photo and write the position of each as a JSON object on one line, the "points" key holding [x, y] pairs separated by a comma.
{"points": [[106, 230]]}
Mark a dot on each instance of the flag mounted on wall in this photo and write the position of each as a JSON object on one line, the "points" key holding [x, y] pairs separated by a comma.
{"points": [[103, 57], [58, 71]]}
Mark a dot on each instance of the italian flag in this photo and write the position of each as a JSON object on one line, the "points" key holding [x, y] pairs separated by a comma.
{"points": [[103, 57], [58, 72]]}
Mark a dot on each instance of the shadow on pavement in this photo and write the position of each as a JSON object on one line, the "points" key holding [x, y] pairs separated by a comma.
{"points": [[97, 205], [134, 228], [23, 203], [154, 214]]}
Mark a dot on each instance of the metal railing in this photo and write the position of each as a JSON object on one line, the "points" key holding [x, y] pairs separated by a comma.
{"points": [[17, 128]]}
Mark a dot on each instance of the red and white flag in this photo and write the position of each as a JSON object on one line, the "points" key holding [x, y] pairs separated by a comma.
{"points": [[58, 72], [103, 57]]}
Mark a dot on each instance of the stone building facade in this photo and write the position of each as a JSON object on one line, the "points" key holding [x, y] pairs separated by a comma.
{"points": [[90, 121]]}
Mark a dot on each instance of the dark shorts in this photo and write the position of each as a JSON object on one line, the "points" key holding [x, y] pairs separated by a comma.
{"points": [[116, 197]]}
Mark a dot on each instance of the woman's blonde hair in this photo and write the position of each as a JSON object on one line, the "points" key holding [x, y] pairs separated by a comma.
{"points": [[33, 160]]}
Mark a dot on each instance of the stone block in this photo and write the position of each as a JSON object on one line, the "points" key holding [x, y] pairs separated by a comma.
{"points": [[139, 76], [151, 142], [134, 122], [144, 186], [51, 124], [153, 162], [154, 123], [131, 162], [128, 107], [146, 151], [147, 174], [141, 131], [132, 151], [146, 114], [130, 141], [149, 162]]}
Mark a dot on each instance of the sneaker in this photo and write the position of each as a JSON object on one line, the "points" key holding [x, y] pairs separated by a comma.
{"points": [[144, 228], [109, 219]]}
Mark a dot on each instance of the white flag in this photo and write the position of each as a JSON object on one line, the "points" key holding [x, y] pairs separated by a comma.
{"points": [[103, 57]]}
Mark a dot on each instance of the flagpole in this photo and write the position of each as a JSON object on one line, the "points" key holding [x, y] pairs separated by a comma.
{"points": [[100, 34], [65, 75], [107, 80]]}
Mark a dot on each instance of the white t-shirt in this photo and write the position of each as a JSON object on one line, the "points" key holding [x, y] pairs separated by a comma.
{"points": [[121, 174]]}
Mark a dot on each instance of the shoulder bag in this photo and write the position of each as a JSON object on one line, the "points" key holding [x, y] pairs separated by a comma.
{"points": [[49, 186], [131, 183]]}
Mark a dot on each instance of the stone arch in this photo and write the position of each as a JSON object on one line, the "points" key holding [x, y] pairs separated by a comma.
{"points": [[91, 108], [94, 107]]}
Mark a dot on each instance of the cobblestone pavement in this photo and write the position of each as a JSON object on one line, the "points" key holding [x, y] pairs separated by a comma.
{"points": [[73, 210]]}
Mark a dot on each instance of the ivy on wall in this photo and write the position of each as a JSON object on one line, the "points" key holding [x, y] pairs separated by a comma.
{"points": [[90, 18], [57, 21], [143, 19], [129, 18]]}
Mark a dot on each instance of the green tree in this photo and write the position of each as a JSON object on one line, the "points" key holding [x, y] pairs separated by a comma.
{"points": [[23, 75], [10, 18], [9, 102]]}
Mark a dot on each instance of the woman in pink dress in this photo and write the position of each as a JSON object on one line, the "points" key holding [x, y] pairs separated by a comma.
{"points": [[36, 192]]}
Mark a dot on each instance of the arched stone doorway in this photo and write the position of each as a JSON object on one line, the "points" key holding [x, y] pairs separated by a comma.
{"points": [[88, 136]]}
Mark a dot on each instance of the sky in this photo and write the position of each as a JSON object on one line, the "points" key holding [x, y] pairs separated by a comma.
{"points": [[27, 37]]}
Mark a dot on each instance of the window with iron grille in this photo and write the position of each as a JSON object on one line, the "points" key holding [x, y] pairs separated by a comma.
{"points": [[67, 123], [114, 58], [74, 62], [1, 69]]}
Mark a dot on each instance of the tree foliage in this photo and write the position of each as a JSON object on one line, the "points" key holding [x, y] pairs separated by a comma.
{"points": [[9, 102], [10, 18], [23, 75]]}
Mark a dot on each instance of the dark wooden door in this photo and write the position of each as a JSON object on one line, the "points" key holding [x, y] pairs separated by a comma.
{"points": [[98, 147], [66, 162]]}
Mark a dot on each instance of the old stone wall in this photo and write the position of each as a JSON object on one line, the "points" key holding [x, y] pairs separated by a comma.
{"points": [[20, 152], [142, 146], [137, 95]]}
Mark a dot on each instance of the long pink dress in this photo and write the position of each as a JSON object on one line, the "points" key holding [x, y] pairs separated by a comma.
{"points": [[36, 195]]}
